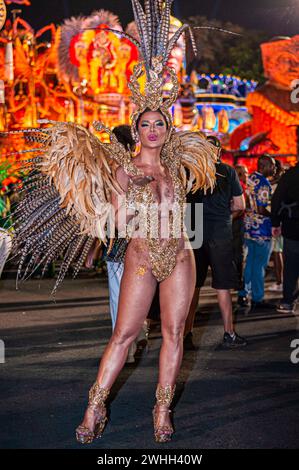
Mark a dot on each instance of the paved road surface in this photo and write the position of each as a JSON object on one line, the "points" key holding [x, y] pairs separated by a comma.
{"points": [[245, 398]]}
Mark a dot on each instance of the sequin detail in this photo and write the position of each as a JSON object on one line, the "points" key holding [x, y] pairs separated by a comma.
{"points": [[162, 252], [164, 395], [141, 270]]}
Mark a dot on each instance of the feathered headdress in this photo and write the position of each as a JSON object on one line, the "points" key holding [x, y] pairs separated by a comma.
{"points": [[155, 46]]}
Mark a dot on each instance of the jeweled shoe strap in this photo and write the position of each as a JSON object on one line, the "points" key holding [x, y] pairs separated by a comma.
{"points": [[98, 395], [164, 395]]}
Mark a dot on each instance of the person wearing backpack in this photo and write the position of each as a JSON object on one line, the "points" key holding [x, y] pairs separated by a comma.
{"points": [[285, 222]]}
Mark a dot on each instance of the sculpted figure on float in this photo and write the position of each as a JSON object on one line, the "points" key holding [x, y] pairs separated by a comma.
{"points": [[281, 61], [88, 52]]}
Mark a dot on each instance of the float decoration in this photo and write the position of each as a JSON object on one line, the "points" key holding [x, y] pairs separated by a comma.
{"points": [[2, 14], [79, 72], [90, 54], [273, 111]]}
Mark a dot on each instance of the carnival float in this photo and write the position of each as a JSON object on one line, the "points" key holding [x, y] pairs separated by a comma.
{"points": [[274, 106], [79, 72]]}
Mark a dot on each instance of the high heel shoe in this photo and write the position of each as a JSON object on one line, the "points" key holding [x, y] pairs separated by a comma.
{"points": [[144, 332], [96, 402], [164, 396], [132, 350]]}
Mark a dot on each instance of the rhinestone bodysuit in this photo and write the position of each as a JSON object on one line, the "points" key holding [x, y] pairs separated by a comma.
{"points": [[161, 251]]}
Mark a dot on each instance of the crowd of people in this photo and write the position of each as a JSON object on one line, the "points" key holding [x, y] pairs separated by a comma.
{"points": [[272, 204], [247, 220]]}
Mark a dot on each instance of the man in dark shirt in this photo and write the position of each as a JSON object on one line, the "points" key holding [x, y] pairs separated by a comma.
{"points": [[285, 221], [217, 248], [258, 233]]}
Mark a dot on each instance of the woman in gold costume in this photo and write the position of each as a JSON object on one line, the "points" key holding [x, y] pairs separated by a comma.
{"points": [[171, 264], [66, 206]]}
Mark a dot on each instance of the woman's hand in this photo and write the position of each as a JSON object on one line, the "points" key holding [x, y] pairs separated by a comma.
{"points": [[93, 254], [141, 180]]}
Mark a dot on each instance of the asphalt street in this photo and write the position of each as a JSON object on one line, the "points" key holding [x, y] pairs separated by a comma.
{"points": [[245, 398]]}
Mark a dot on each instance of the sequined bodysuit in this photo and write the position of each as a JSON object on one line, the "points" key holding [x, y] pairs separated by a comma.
{"points": [[157, 240]]}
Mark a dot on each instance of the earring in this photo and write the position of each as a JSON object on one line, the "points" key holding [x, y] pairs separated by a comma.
{"points": [[136, 151]]}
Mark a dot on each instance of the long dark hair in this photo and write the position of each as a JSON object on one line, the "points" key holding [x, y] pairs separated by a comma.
{"points": [[124, 136]]}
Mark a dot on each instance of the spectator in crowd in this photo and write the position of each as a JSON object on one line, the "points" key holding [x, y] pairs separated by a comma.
{"points": [[258, 233], [285, 221], [238, 229], [5, 247], [5, 233], [217, 248], [242, 172], [277, 241]]}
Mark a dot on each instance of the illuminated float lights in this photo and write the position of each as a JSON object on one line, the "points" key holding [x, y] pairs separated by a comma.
{"points": [[224, 84], [220, 99]]}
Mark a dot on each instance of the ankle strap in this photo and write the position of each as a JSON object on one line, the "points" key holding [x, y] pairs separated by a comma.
{"points": [[164, 395], [98, 395]]}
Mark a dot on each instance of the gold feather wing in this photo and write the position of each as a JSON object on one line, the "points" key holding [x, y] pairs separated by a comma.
{"points": [[81, 169], [65, 203], [197, 160]]}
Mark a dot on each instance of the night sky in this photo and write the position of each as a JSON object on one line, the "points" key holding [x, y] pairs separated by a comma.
{"points": [[276, 17]]}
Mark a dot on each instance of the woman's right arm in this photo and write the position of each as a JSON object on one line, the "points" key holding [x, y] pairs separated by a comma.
{"points": [[122, 215]]}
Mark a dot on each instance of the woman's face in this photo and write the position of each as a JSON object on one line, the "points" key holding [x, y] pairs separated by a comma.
{"points": [[152, 129]]}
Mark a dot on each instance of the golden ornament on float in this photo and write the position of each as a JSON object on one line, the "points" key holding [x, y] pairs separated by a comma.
{"points": [[2, 13]]}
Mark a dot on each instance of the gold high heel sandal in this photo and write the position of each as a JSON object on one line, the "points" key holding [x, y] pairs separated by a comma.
{"points": [[164, 396], [97, 398]]}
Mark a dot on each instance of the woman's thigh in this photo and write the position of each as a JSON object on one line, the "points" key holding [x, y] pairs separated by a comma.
{"points": [[176, 291], [137, 290]]}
